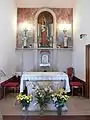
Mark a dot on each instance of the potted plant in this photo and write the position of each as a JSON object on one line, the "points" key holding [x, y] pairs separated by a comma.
{"points": [[43, 96], [24, 100], [59, 98]]}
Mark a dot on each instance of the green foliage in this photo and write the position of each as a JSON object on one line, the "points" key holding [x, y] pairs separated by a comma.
{"points": [[43, 96], [59, 98]]}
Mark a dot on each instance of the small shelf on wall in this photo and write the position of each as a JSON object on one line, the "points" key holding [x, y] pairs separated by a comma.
{"points": [[45, 65], [66, 49]]}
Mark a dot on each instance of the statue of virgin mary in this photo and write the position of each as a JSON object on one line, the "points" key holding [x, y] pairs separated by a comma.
{"points": [[45, 29], [44, 40]]}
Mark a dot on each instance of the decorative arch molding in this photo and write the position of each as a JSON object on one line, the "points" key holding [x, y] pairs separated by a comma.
{"points": [[54, 24]]}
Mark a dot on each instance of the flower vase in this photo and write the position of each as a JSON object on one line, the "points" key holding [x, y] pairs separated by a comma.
{"points": [[41, 112], [59, 110], [25, 108], [42, 109]]}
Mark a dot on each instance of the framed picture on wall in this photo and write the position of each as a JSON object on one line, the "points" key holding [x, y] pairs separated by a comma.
{"points": [[44, 59]]}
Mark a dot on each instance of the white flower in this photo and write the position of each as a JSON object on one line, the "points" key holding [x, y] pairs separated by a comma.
{"points": [[46, 89], [40, 95], [52, 95], [51, 90], [54, 99], [36, 87]]}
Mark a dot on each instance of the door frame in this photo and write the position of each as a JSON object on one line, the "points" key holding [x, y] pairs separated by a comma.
{"points": [[87, 87]]}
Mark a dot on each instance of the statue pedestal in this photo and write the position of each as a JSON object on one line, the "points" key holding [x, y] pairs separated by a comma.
{"points": [[45, 65]]}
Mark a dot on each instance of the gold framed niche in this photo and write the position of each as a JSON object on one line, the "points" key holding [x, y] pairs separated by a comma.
{"points": [[44, 18], [45, 30]]}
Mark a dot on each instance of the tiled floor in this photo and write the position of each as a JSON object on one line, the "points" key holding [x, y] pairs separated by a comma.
{"points": [[76, 106]]}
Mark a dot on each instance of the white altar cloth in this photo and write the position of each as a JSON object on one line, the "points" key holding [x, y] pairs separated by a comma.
{"points": [[40, 76]]}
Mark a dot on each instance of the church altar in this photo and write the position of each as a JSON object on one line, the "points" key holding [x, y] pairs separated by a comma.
{"points": [[55, 79], [44, 76]]}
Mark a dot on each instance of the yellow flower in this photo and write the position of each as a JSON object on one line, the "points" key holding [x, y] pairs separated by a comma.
{"points": [[21, 97]]}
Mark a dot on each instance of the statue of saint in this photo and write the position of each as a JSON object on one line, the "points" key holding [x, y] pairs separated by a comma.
{"points": [[44, 40]]}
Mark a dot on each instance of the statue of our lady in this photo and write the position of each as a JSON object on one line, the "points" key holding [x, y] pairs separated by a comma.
{"points": [[44, 40]]}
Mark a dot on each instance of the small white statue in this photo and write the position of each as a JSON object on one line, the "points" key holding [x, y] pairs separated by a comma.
{"points": [[65, 41], [45, 59]]}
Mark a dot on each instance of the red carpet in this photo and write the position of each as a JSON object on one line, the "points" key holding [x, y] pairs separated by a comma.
{"points": [[13, 117]]}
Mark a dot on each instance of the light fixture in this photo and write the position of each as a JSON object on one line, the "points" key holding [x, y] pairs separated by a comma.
{"points": [[64, 27], [83, 36]]}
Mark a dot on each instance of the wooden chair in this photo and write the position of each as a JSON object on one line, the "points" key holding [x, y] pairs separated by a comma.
{"points": [[10, 84], [74, 82], [76, 85]]}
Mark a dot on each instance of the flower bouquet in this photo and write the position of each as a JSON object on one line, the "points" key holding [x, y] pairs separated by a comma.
{"points": [[43, 96], [24, 100], [59, 98]]}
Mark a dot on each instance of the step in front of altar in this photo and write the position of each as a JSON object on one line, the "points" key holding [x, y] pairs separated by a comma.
{"points": [[50, 107]]}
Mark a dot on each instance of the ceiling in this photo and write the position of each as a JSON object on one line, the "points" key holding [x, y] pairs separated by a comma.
{"points": [[46, 3]]}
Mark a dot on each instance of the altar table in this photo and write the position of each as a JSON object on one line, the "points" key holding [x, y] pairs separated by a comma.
{"points": [[44, 76]]}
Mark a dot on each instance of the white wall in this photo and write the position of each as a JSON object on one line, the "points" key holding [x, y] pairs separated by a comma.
{"points": [[46, 3], [59, 60], [63, 59], [28, 60], [81, 25], [7, 36]]}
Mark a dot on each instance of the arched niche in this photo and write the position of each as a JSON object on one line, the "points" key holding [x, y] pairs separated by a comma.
{"points": [[48, 14]]}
